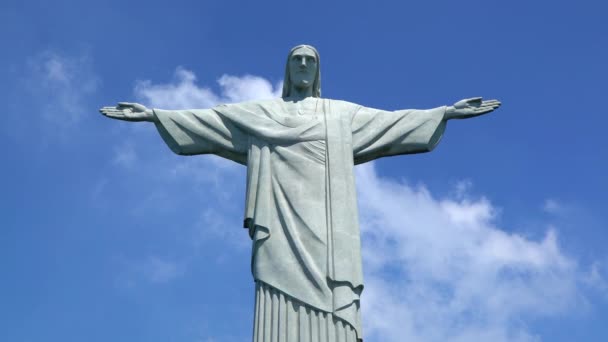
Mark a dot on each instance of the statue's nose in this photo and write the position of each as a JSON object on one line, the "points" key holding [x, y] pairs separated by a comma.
{"points": [[303, 62]]}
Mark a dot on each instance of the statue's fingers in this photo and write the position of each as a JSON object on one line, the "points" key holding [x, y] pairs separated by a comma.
{"points": [[123, 110], [495, 106], [491, 103], [114, 113], [105, 110], [108, 114], [484, 107], [484, 110]]}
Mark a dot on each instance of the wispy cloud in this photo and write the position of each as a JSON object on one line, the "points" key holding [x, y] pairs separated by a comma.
{"points": [[597, 277], [62, 83], [552, 206], [158, 270], [151, 270], [125, 155]]}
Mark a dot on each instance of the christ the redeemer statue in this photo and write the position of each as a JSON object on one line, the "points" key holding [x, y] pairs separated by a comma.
{"points": [[301, 207]]}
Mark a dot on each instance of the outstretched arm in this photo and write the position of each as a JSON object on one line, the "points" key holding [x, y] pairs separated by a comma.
{"points": [[188, 132], [378, 133]]}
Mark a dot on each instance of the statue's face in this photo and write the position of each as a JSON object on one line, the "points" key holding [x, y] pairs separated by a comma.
{"points": [[302, 68]]}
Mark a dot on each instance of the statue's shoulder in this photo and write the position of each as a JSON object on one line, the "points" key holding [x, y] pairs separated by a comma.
{"points": [[341, 104], [255, 103], [278, 103]]}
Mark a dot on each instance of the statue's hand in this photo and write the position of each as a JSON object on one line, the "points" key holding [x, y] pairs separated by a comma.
{"points": [[469, 108], [128, 112]]}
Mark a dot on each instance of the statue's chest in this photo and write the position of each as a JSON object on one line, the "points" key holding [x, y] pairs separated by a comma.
{"points": [[304, 109]]}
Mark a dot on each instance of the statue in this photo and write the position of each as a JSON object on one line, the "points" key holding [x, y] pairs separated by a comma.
{"points": [[301, 208]]}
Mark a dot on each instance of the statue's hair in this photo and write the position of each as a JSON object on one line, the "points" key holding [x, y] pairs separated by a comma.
{"points": [[316, 85]]}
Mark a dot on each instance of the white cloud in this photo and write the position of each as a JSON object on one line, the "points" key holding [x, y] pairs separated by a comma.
{"points": [[183, 92], [246, 88], [62, 83], [446, 272]]}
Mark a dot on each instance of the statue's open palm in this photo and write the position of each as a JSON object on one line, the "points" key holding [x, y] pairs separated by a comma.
{"points": [[128, 112], [472, 107]]}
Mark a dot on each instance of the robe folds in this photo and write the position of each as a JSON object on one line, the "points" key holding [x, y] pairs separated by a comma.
{"points": [[301, 208]]}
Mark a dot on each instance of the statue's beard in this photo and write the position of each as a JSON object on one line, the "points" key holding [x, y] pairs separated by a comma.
{"points": [[302, 84]]}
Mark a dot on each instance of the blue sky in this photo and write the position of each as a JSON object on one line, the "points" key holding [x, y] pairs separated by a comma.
{"points": [[498, 235]]}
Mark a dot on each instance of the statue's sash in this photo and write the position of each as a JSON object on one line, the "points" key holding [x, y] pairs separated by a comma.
{"points": [[344, 264]]}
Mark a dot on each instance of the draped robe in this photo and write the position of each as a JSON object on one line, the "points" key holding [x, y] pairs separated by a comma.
{"points": [[301, 208]]}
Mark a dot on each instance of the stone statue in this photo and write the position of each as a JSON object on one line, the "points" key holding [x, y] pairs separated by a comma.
{"points": [[301, 208]]}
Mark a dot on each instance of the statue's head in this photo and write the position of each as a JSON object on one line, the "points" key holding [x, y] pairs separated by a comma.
{"points": [[303, 70]]}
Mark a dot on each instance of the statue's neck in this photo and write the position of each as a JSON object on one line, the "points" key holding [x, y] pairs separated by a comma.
{"points": [[298, 94], [292, 98]]}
